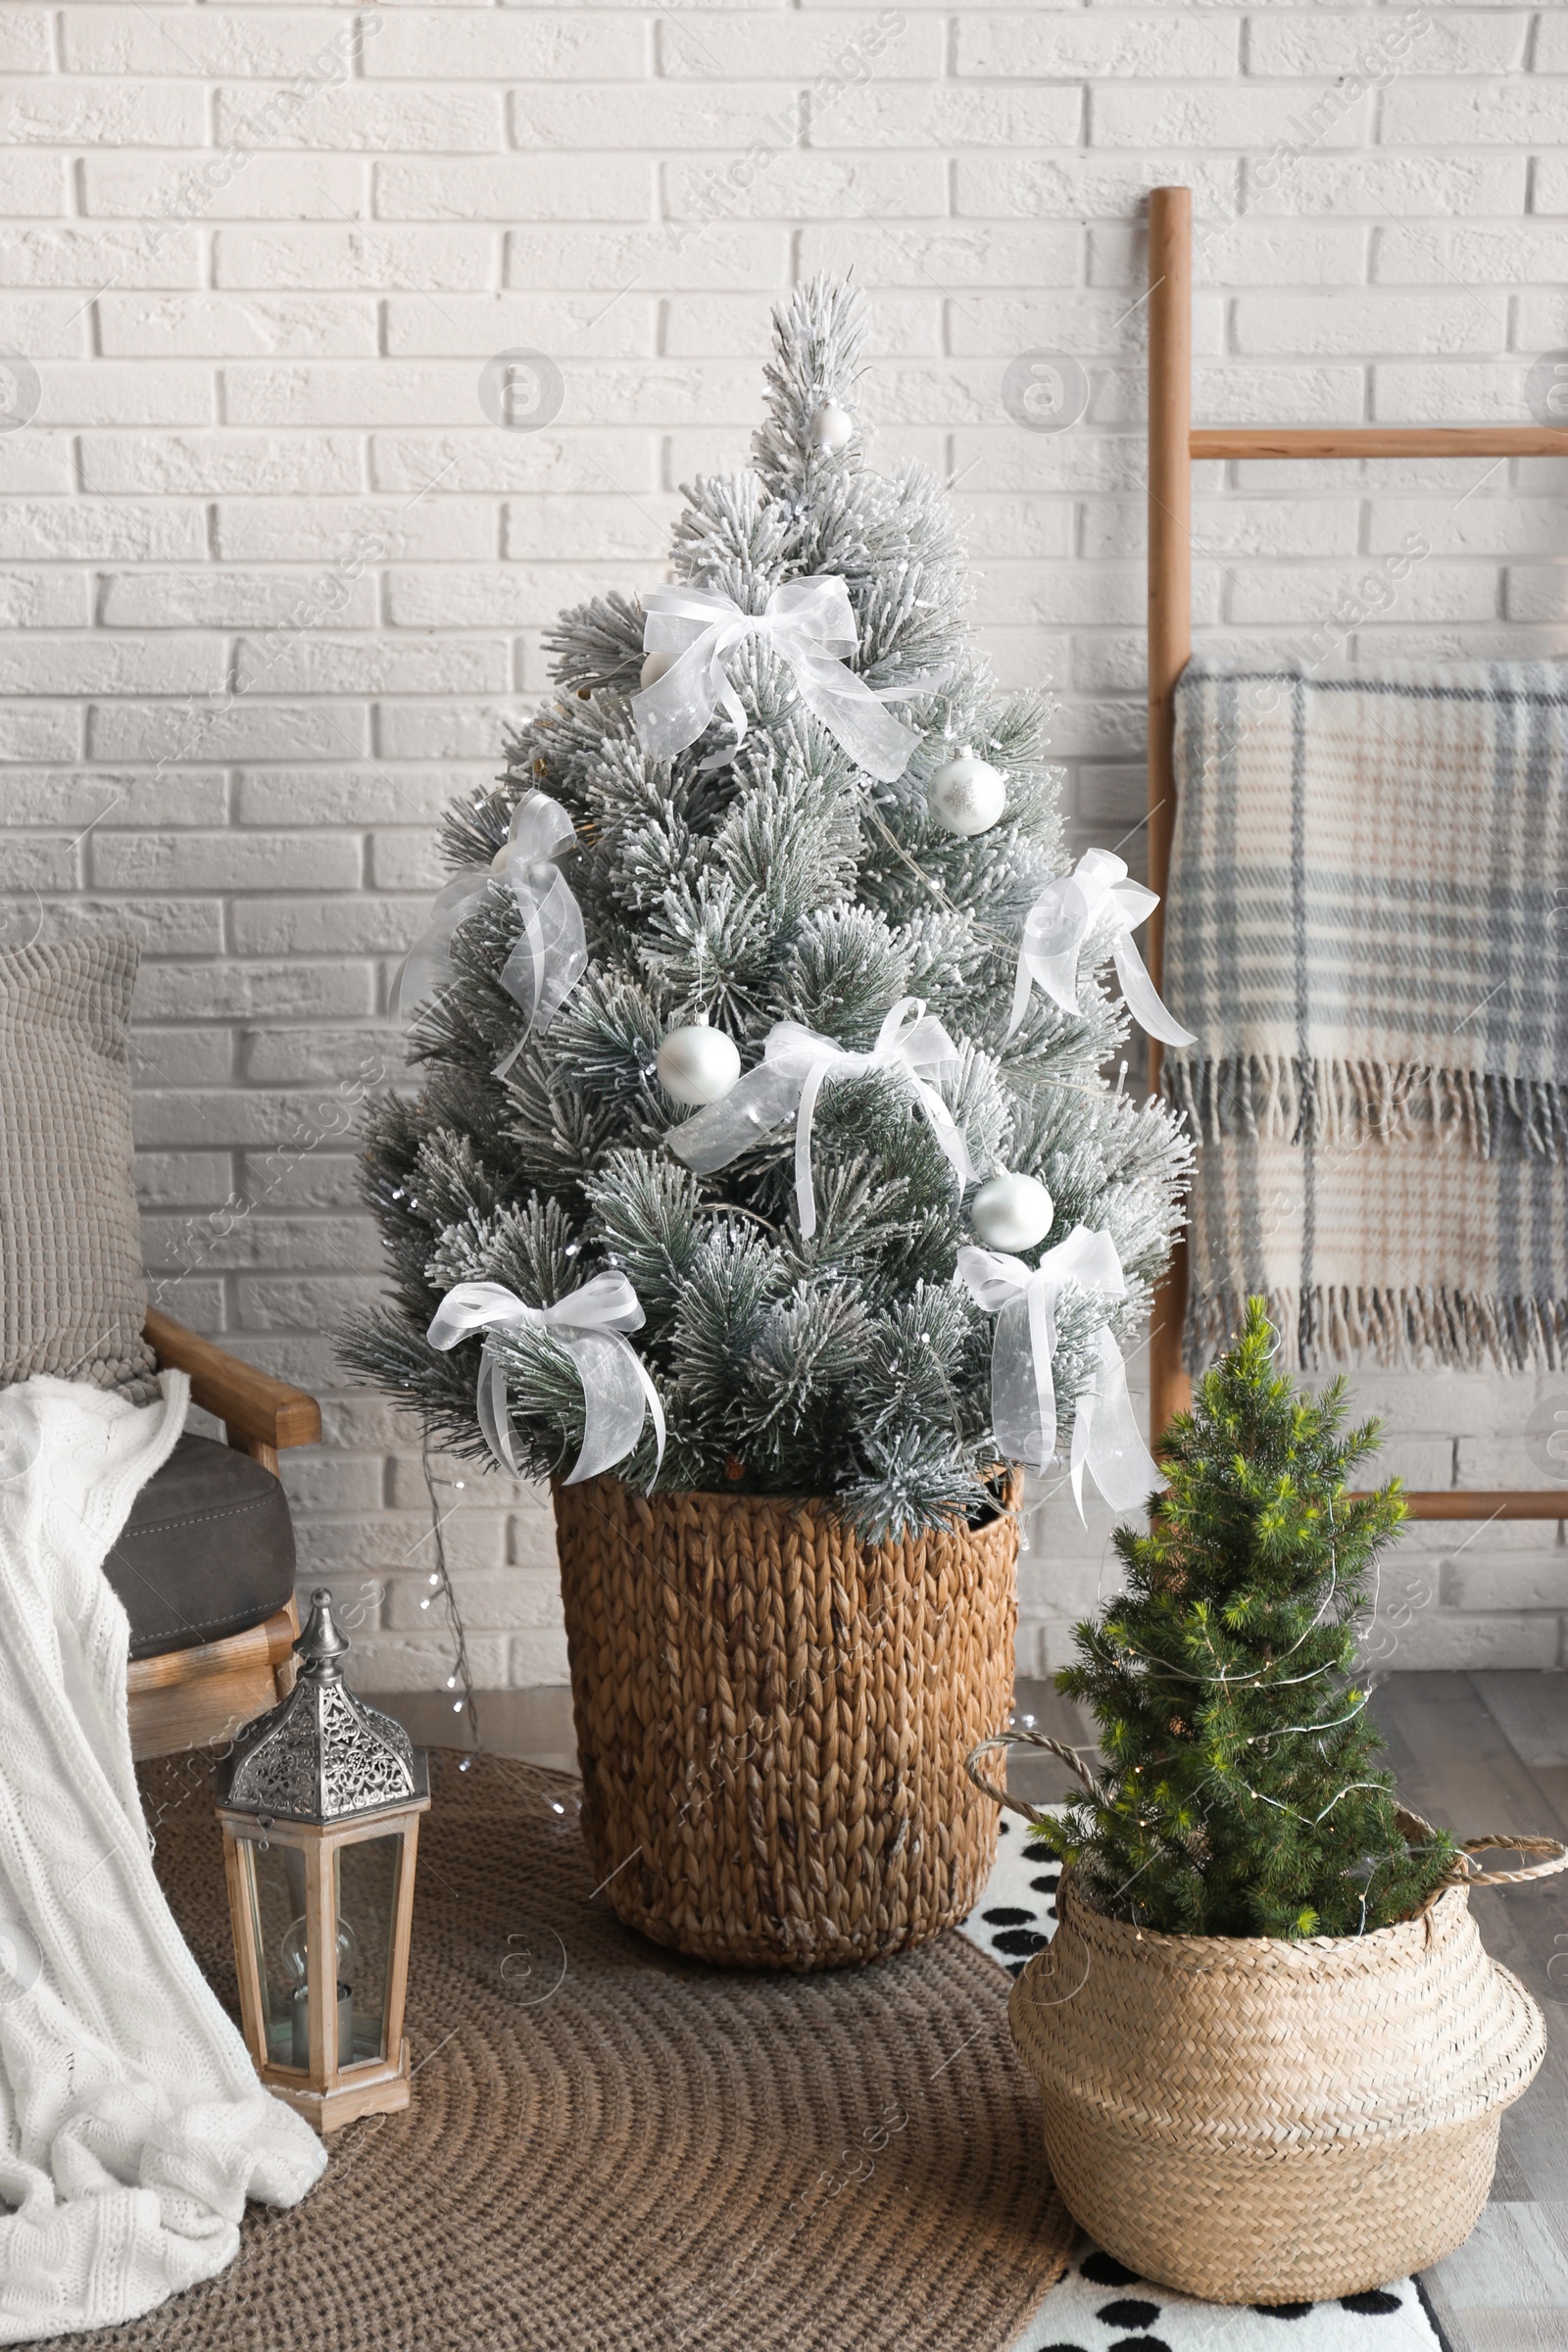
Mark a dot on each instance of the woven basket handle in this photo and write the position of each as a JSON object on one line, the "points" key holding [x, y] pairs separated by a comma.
{"points": [[1467, 1873], [1464, 1872], [1021, 1739]]}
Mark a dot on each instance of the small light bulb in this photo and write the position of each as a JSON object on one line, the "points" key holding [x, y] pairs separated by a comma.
{"points": [[451, 1681], [425, 1604], [435, 1580], [555, 1808], [457, 1708], [463, 1762]]}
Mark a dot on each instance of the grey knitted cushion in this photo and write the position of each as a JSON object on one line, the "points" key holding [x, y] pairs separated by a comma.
{"points": [[71, 1294]]}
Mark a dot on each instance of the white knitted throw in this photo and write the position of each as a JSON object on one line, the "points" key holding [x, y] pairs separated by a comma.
{"points": [[132, 2126]]}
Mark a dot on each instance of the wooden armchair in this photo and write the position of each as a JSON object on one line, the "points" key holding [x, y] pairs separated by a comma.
{"points": [[189, 1696]]}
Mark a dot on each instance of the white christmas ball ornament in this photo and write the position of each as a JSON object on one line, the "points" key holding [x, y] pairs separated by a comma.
{"points": [[967, 795], [832, 427], [1011, 1212], [698, 1064], [653, 667]]}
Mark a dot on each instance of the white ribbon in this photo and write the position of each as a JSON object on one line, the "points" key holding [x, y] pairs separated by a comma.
{"points": [[787, 1081], [550, 956], [1062, 917], [616, 1391], [1105, 1437], [807, 623]]}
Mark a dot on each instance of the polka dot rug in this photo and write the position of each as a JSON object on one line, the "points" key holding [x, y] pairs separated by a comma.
{"points": [[1101, 2307]]}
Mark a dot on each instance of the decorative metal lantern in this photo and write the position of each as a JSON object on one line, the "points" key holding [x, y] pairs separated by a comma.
{"points": [[319, 1804]]}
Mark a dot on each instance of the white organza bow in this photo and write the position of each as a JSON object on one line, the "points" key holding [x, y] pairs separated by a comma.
{"points": [[1062, 917], [787, 1081], [808, 623], [550, 956], [616, 1391], [1105, 1437]]}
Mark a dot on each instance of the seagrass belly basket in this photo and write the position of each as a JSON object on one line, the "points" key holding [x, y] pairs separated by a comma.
{"points": [[774, 1719], [1255, 2121]]}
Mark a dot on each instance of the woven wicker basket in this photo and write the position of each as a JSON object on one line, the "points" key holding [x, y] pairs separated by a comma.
{"points": [[1255, 2120], [773, 1719]]}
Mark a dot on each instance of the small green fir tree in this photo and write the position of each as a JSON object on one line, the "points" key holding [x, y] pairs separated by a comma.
{"points": [[1243, 1795]]}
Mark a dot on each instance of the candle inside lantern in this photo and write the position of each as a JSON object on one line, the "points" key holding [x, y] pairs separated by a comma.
{"points": [[293, 1950]]}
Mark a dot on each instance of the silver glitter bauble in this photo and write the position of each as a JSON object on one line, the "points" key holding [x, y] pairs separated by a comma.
{"points": [[967, 795]]}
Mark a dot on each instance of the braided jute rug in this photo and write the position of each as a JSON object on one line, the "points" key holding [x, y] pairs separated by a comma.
{"points": [[614, 2149]]}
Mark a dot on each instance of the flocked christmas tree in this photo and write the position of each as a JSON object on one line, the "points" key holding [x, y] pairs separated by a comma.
{"points": [[1243, 1794], [784, 793]]}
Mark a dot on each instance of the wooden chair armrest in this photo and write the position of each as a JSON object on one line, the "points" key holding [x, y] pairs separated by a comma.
{"points": [[256, 1409]]}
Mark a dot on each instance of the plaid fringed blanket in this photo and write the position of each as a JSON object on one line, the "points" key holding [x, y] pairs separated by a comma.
{"points": [[1368, 930]]}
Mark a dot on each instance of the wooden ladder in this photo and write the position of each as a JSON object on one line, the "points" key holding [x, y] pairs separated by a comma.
{"points": [[1173, 444]]}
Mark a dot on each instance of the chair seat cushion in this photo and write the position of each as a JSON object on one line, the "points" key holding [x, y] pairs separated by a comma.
{"points": [[208, 1549]]}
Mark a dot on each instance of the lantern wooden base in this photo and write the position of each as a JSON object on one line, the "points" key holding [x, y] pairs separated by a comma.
{"points": [[369, 2090]]}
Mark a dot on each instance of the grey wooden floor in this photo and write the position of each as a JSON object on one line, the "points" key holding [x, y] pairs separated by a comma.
{"points": [[1474, 1751]]}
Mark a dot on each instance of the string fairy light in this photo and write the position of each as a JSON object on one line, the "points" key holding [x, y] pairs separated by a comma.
{"points": [[441, 1580], [1288, 1731]]}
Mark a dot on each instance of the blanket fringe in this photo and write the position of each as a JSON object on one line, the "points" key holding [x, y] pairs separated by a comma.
{"points": [[1278, 1098], [1399, 1327]]}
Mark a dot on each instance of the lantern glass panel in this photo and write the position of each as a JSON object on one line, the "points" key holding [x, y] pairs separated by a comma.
{"points": [[275, 1876], [365, 1877]]}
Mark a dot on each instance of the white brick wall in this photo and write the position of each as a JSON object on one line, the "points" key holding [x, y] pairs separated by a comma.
{"points": [[271, 583]]}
